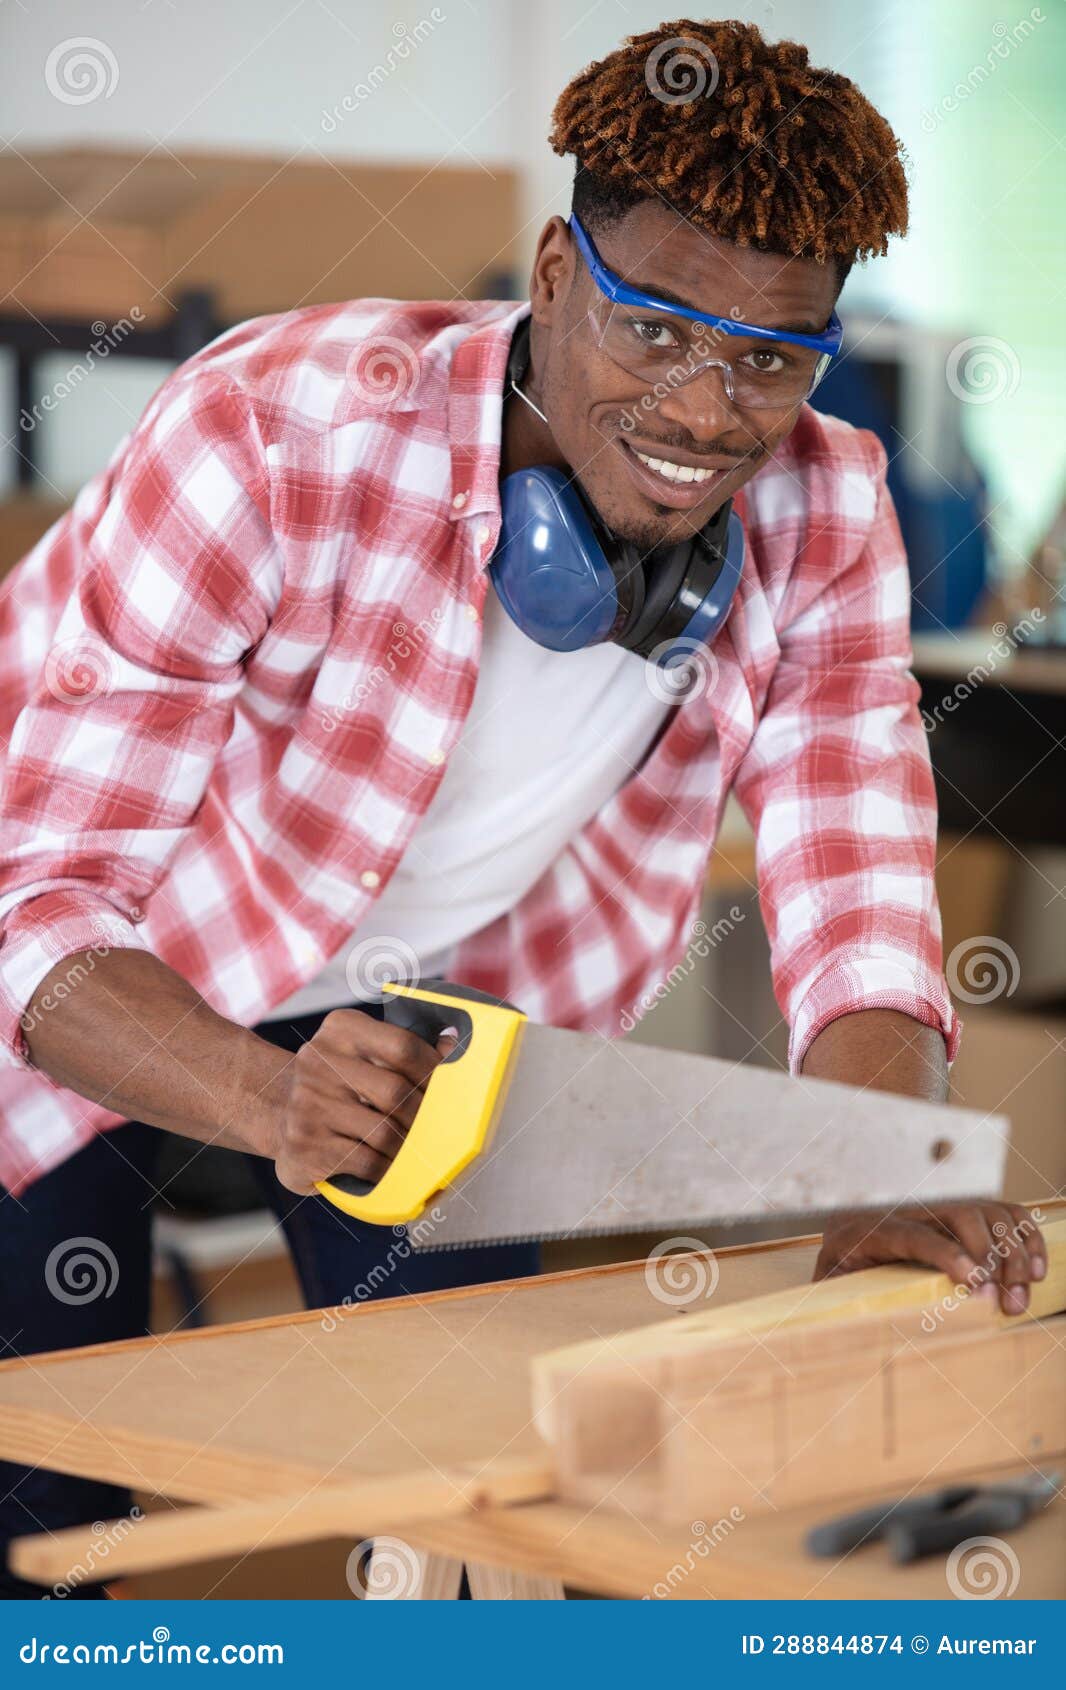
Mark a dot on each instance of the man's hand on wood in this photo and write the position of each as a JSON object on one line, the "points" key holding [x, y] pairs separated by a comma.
{"points": [[993, 1248]]}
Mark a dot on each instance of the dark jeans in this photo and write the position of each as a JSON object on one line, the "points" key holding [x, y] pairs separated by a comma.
{"points": [[102, 1197]]}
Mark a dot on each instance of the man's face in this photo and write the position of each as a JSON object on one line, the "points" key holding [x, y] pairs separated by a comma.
{"points": [[601, 417]]}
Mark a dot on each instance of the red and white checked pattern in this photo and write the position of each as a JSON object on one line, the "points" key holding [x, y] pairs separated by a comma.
{"points": [[228, 675]]}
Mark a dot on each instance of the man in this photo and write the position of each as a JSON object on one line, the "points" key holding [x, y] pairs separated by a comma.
{"points": [[271, 730]]}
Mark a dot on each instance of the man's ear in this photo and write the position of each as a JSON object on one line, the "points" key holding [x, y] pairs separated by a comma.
{"points": [[553, 271]]}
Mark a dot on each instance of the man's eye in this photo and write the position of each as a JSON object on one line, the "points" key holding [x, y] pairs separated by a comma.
{"points": [[659, 336], [765, 361]]}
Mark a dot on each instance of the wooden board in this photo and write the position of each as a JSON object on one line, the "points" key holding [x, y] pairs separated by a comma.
{"points": [[242, 1411], [237, 1411], [884, 1377], [760, 1431], [889, 1290], [754, 1558]]}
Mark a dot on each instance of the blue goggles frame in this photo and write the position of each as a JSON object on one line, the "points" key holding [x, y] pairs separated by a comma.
{"points": [[827, 343]]}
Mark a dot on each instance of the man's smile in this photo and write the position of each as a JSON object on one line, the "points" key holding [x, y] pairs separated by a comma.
{"points": [[678, 479]]}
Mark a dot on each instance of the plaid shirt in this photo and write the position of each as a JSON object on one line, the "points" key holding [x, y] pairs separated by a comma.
{"points": [[232, 674]]}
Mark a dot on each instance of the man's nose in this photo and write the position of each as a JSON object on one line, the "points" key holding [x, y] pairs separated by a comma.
{"points": [[702, 405]]}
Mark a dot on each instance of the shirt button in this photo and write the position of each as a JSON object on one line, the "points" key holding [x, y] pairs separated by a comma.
{"points": [[471, 611], [370, 878], [435, 756], [484, 534], [459, 501]]}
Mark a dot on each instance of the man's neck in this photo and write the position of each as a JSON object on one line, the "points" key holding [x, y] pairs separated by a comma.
{"points": [[525, 438]]}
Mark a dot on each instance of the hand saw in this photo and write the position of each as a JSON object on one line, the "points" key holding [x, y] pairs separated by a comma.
{"points": [[529, 1131]]}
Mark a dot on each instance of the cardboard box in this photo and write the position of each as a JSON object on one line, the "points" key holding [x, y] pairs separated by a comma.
{"points": [[89, 232]]}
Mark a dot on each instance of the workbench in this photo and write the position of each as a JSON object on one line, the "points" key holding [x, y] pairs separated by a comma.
{"points": [[288, 1404]]}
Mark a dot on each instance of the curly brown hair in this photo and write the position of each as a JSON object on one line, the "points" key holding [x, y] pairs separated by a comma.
{"points": [[739, 135]]}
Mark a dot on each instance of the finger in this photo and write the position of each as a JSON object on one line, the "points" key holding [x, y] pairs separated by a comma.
{"points": [[385, 1091], [362, 1159], [899, 1240], [355, 1126], [301, 1171], [1034, 1239], [969, 1224], [352, 1032], [338, 1077], [1016, 1271]]}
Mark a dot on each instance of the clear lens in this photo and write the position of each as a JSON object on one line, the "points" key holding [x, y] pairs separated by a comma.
{"points": [[668, 351]]}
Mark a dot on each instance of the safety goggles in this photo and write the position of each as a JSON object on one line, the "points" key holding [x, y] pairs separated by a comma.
{"points": [[667, 345]]}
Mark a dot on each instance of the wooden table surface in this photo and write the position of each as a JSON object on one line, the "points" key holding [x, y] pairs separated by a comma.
{"points": [[285, 1404]]}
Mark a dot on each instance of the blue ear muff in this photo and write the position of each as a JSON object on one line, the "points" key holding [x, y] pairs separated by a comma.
{"points": [[549, 568], [567, 582]]}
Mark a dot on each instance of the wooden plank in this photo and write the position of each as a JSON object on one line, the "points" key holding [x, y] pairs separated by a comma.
{"points": [[236, 1413], [609, 1553], [197, 1534], [266, 1406], [893, 1291], [785, 1399]]}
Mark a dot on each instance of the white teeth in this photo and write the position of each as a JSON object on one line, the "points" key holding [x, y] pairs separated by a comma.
{"points": [[674, 472]]}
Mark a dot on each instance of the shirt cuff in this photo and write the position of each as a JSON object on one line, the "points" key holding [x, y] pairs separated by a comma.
{"points": [[37, 935], [873, 983]]}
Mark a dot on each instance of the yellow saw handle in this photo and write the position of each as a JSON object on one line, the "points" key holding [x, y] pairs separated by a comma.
{"points": [[462, 1101]]}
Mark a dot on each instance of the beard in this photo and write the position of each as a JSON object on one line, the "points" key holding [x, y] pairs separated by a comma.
{"points": [[650, 533]]}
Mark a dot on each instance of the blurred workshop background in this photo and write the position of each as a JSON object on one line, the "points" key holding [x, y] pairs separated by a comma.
{"points": [[170, 169]]}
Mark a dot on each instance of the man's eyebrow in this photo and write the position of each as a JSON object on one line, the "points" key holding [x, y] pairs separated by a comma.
{"points": [[671, 298]]}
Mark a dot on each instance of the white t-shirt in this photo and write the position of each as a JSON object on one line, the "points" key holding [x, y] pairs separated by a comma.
{"points": [[549, 738]]}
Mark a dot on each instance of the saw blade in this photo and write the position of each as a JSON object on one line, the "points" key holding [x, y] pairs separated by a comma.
{"points": [[602, 1135]]}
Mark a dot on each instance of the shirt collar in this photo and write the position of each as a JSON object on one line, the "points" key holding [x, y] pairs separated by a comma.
{"points": [[475, 414]]}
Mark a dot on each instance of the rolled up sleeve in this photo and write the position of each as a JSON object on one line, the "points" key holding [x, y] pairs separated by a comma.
{"points": [[838, 788], [113, 750]]}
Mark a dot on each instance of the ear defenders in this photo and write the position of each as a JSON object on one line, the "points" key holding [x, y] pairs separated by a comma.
{"points": [[568, 582]]}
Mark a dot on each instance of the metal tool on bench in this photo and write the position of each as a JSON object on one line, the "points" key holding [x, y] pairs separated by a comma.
{"points": [[941, 1520], [530, 1131]]}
